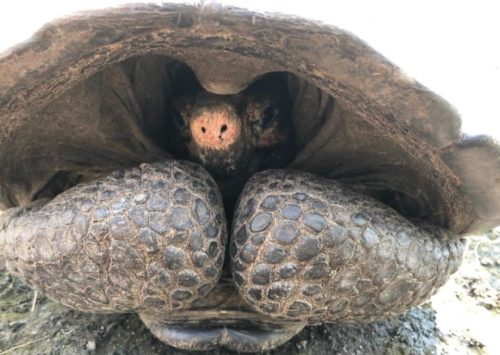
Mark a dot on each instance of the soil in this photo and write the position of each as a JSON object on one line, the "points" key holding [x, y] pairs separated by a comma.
{"points": [[462, 318]]}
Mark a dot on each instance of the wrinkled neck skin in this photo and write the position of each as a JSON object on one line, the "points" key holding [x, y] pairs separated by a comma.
{"points": [[235, 136]]}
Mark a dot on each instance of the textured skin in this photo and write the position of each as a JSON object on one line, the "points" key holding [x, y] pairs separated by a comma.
{"points": [[151, 239], [146, 238], [307, 248]]}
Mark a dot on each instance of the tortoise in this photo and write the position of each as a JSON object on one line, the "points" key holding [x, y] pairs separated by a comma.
{"points": [[231, 176]]}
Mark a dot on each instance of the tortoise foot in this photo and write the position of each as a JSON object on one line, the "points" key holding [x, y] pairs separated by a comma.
{"points": [[151, 240], [146, 238], [307, 248]]}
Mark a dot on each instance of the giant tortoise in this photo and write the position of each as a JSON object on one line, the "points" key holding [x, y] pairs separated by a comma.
{"points": [[231, 176]]}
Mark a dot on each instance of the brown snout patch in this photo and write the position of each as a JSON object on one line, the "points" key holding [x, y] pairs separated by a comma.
{"points": [[216, 129]]}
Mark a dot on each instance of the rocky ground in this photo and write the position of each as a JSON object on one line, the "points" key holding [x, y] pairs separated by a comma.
{"points": [[463, 318]]}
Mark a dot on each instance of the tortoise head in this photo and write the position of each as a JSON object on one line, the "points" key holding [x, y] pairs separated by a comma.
{"points": [[234, 135]]}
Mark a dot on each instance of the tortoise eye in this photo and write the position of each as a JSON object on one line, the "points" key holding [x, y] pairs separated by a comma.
{"points": [[269, 115], [178, 119]]}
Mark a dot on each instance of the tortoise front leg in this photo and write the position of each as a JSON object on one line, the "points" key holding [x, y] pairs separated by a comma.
{"points": [[308, 248], [144, 238]]}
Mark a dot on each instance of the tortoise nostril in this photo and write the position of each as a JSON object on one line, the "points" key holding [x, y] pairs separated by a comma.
{"points": [[214, 130]]}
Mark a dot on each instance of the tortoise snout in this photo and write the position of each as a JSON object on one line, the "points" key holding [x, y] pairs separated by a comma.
{"points": [[215, 130]]}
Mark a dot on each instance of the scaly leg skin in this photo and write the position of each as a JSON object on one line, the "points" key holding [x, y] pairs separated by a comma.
{"points": [[307, 248], [146, 238]]}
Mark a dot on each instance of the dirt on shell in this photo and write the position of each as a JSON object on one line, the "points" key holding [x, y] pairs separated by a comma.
{"points": [[462, 318]]}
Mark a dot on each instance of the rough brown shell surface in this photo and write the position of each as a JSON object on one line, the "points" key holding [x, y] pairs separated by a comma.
{"points": [[416, 134]]}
